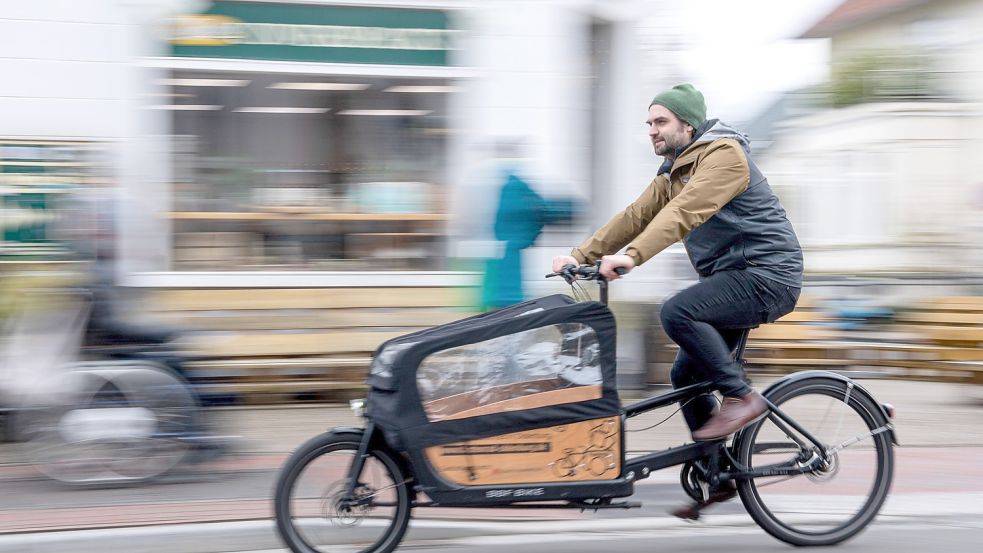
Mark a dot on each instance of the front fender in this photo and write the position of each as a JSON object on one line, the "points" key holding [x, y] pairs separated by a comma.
{"points": [[378, 441], [347, 430]]}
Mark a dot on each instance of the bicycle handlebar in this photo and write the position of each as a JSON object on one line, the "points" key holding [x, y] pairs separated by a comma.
{"points": [[571, 273]]}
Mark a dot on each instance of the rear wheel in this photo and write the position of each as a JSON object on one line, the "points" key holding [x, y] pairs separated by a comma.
{"points": [[113, 423], [314, 512], [842, 495]]}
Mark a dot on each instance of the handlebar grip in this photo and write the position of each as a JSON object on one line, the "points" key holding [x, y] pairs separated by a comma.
{"points": [[620, 270]]}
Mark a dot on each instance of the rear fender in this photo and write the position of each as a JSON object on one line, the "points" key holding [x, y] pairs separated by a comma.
{"points": [[882, 415]]}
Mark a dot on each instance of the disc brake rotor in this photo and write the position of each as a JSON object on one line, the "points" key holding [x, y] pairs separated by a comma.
{"points": [[346, 511]]}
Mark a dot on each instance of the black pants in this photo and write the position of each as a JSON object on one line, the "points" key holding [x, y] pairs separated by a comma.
{"points": [[707, 319]]}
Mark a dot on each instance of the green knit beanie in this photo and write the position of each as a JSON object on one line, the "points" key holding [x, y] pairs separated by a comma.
{"points": [[685, 101]]}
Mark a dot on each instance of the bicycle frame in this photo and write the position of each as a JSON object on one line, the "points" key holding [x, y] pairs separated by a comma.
{"points": [[443, 493], [642, 466], [812, 453], [515, 442]]}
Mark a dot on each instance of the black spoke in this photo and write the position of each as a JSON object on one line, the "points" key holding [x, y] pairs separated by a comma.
{"points": [[803, 482]]}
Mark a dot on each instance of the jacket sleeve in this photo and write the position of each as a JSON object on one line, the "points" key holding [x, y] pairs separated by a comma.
{"points": [[719, 177], [625, 225]]}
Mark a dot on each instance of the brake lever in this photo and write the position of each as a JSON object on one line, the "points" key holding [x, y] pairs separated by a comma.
{"points": [[566, 272]]}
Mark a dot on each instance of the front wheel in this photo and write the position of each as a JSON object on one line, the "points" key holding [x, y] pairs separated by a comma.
{"points": [[840, 496], [314, 513]]}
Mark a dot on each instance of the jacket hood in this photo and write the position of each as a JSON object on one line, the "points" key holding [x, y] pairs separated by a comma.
{"points": [[716, 129], [709, 131]]}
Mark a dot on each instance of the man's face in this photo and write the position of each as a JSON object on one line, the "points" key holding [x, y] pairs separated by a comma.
{"points": [[666, 131]]}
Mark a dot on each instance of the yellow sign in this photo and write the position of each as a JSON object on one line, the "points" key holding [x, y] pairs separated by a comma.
{"points": [[221, 30], [206, 30]]}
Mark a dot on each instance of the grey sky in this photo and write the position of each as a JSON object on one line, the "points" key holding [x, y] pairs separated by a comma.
{"points": [[743, 54]]}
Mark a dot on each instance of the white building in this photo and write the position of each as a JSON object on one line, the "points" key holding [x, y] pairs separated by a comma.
{"points": [[891, 182], [256, 136]]}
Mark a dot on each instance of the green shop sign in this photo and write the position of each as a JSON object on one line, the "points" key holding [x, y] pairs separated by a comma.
{"points": [[35, 178], [314, 33]]}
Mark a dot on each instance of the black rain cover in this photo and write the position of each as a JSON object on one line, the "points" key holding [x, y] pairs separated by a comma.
{"points": [[394, 401]]}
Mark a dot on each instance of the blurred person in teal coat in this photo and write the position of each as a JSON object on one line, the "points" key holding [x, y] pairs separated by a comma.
{"points": [[521, 215]]}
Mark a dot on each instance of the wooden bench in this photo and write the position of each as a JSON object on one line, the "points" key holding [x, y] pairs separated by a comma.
{"points": [[946, 339], [270, 345], [951, 321], [801, 340], [933, 339], [287, 344]]}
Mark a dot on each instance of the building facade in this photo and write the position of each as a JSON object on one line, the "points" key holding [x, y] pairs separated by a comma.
{"points": [[321, 142], [886, 179]]}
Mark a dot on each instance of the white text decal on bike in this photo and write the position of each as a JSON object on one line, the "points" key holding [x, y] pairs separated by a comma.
{"points": [[515, 492]]}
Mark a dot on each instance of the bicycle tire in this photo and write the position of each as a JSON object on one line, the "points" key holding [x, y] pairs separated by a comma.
{"points": [[294, 535], [111, 460], [798, 533]]}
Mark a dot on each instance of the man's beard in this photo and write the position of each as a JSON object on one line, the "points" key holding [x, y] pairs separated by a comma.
{"points": [[665, 148]]}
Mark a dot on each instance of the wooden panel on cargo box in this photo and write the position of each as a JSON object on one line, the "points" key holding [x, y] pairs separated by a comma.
{"points": [[587, 450]]}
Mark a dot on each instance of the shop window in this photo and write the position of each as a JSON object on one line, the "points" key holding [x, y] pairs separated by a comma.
{"points": [[308, 177]]}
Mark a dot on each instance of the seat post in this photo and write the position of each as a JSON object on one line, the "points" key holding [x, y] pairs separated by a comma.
{"points": [[741, 344]]}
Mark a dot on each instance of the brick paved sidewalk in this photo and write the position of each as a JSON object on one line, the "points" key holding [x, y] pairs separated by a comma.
{"points": [[919, 471], [939, 426]]}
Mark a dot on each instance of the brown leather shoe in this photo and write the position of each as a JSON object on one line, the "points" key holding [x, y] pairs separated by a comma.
{"points": [[735, 413], [726, 492]]}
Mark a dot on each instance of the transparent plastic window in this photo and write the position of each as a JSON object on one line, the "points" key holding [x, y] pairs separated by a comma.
{"points": [[382, 365], [544, 366]]}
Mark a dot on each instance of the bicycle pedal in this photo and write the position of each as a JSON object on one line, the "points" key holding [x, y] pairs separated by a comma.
{"points": [[704, 492], [689, 513], [617, 505]]}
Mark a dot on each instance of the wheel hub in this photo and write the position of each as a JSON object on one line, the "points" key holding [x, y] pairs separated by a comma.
{"points": [[347, 511], [827, 469]]}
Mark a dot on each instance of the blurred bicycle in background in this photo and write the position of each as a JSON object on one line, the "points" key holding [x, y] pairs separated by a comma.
{"points": [[111, 413]]}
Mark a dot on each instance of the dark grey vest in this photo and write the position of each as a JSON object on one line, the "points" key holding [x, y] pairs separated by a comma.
{"points": [[751, 232]]}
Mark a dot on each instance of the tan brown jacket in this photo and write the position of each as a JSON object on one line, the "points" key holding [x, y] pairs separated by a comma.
{"points": [[714, 199]]}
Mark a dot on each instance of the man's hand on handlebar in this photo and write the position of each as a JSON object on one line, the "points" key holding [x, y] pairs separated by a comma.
{"points": [[610, 265], [561, 261]]}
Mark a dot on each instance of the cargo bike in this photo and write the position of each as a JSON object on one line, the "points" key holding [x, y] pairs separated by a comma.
{"points": [[518, 408]]}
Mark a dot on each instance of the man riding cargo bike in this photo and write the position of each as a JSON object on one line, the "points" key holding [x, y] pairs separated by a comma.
{"points": [[709, 194], [519, 408]]}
